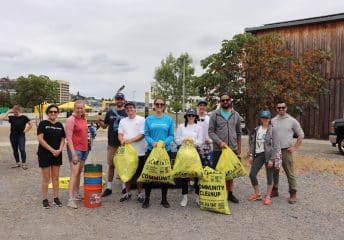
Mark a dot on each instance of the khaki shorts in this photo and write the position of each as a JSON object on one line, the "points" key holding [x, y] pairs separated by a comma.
{"points": [[111, 151]]}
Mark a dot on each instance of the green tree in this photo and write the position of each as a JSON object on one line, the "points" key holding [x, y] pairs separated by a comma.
{"points": [[35, 90], [258, 70], [169, 80]]}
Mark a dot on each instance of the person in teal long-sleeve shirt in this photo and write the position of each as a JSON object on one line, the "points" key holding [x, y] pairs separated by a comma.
{"points": [[158, 127]]}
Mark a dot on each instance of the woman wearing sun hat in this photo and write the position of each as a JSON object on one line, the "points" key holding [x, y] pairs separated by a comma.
{"points": [[188, 130], [263, 151]]}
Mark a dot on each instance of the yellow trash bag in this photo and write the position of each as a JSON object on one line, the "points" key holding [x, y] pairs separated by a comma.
{"points": [[157, 167], [63, 183], [188, 163], [213, 192], [230, 164], [126, 162]]}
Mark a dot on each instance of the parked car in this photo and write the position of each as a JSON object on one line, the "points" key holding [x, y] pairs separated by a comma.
{"points": [[337, 134]]}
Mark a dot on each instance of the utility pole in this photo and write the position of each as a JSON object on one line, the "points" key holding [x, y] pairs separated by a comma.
{"points": [[146, 104], [183, 85]]}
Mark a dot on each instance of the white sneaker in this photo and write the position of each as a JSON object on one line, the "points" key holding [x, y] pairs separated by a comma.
{"points": [[197, 200], [184, 201], [72, 204]]}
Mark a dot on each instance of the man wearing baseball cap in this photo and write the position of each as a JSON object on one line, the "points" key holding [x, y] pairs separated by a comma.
{"points": [[131, 131], [206, 147], [112, 118]]}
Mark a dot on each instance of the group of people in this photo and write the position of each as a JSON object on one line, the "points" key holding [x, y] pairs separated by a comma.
{"points": [[272, 145]]}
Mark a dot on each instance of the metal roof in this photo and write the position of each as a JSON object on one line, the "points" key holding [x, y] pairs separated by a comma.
{"points": [[314, 20]]}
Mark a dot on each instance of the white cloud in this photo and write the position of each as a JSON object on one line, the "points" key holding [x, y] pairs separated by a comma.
{"points": [[100, 45]]}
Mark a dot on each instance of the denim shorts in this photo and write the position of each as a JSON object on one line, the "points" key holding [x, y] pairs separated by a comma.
{"points": [[82, 155]]}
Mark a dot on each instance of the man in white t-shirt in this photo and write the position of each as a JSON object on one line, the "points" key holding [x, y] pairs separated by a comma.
{"points": [[131, 131], [206, 147]]}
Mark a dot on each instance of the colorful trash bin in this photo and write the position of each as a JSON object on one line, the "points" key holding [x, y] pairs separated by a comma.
{"points": [[93, 185]]}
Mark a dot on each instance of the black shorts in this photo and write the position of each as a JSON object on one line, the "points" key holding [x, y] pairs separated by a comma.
{"points": [[142, 161], [45, 160]]}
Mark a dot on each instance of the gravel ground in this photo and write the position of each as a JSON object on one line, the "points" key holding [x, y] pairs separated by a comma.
{"points": [[313, 217]]}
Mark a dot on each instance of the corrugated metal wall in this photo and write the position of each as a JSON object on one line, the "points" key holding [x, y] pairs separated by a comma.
{"points": [[329, 37]]}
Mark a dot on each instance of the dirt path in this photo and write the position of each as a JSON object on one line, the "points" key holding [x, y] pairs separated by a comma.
{"points": [[319, 214]]}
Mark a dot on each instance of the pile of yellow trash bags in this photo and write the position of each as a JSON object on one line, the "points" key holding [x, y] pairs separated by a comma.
{"points": [[212, 182]]}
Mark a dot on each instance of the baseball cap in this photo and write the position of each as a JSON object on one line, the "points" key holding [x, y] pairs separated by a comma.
{"points": [[202, 101], [129, 104], [265, 114], [119, 95]]}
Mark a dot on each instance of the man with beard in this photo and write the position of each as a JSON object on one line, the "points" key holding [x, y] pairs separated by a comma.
{"points": [[286, 127], [225, 131], [112, 118]]}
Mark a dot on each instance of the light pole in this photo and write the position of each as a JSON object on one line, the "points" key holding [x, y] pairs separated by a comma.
{"points": [[183, 85]]}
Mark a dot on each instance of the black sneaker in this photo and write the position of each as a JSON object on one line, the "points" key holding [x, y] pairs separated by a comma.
{"points": [[46, 204], [145, 204], [165, 204], [125, 197], [232, 198], [107, 192], [57, 202], [124, 191]]}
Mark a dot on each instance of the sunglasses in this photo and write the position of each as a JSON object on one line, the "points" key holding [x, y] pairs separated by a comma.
{"points": [[118, 98], [191, 115], [225, 100], [281, 108], [55, 112], [159, 104]]}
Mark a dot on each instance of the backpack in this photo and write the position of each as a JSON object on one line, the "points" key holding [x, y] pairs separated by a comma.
{"points": [[117, 120]]}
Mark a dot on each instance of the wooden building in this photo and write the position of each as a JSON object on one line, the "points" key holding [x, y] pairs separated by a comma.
{"points": [[326, 33]]}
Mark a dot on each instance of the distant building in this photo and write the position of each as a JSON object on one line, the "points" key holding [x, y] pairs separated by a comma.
{"points": [[8, 85], [326, 33], [63, 91]]}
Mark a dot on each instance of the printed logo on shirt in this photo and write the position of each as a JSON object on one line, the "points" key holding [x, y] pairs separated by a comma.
{"points": [[260, 139], [54, 128]]}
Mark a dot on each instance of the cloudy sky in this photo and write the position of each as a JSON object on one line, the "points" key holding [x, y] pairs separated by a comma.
{"points": [[100, 45]]}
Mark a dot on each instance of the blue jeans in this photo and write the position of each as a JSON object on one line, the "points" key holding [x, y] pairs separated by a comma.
{"points": [[82, 155], [18, 142]]}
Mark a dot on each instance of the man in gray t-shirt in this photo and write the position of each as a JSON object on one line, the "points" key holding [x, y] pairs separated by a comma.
{"points": [[286, 127]]}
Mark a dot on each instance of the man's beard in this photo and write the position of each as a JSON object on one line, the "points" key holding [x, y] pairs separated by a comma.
{"points": [[227, 107]]}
